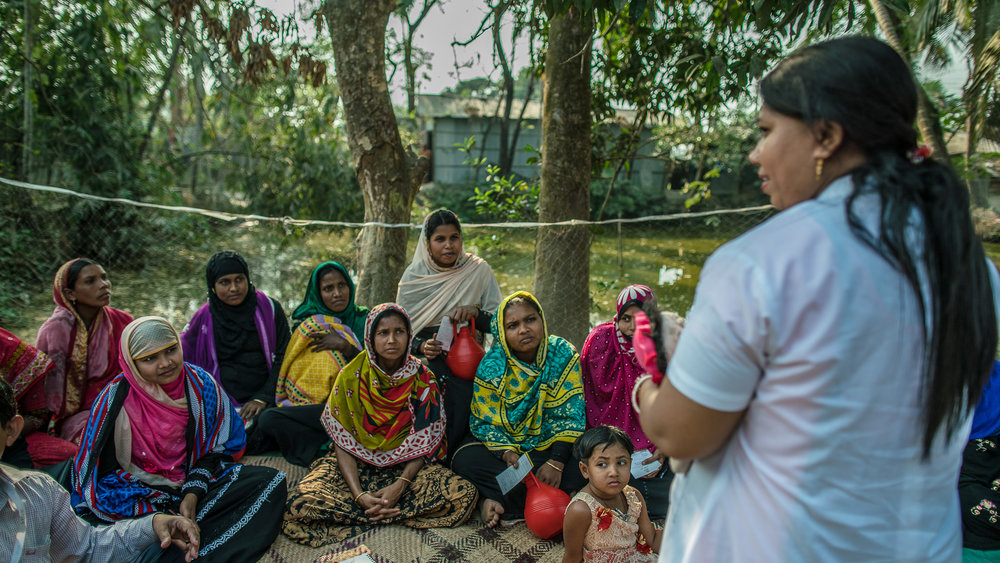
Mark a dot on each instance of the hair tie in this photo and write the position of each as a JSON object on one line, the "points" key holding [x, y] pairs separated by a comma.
{"points": [[921, 153], [645, 348]]}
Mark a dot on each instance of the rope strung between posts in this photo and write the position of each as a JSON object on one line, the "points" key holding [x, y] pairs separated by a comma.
{"points": [[307, 222]]}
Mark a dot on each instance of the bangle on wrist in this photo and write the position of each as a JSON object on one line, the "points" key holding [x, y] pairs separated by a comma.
{"points": [[635, 391], [553, 466], [357, 498], [408, 482]]}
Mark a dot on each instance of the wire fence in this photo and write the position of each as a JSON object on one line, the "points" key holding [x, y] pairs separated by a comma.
{"points": [[155, 255]]}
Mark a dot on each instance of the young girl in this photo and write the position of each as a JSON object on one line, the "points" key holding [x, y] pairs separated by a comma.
{"points": [[607, 520]]}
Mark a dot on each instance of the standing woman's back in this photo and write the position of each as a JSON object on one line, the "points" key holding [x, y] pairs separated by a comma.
{"points": [[833, 354]]}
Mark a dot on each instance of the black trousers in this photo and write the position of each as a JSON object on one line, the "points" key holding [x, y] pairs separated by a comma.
{"points": [[456, 394], [477, 464], [294, 431]]}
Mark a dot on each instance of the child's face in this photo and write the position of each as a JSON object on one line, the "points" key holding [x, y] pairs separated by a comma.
{"points": [[608, 469]]}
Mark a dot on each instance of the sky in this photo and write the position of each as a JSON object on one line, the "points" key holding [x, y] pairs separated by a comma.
{"points": [[456, 20]]}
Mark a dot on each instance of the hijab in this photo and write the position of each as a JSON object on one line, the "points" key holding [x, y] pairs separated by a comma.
{"points": [[233, 326], [430, 291], [84, 359], [527, 406], [610, 370], [152, 438], [352, 316], [385, 418]]}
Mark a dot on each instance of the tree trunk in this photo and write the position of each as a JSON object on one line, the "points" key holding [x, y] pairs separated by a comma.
{"points": [[562, 255], [389, 179], [28, 105], [927, 116], [506, 160]]}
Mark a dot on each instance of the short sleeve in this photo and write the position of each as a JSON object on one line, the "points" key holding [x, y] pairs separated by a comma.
{"points": [[722, 352]]}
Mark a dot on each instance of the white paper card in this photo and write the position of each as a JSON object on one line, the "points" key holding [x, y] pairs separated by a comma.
{"points": [[363, 558], [640, 470], [445, 333], [510, 477]]}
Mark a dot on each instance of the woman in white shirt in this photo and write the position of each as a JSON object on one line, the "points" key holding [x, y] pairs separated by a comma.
{"points": [[829, 364]]}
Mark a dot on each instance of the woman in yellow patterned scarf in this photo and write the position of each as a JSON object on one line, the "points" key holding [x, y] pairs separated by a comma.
{"points": [[325, 337], [385, 418], [527, 399]]}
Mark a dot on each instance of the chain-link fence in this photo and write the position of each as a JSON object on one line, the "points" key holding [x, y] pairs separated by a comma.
{"points": [[155, 256]]}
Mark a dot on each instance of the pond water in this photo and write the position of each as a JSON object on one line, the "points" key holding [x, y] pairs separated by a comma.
{"points": [[174, 288]]}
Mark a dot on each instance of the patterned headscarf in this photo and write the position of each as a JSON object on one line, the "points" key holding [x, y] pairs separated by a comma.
{"points": [[385, 418], [157, 414], [610, 370], [521, 406]]}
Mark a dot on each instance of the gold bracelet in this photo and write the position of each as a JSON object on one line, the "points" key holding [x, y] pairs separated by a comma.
{"points": [[363, 493], [401, 478], [553, 466]]}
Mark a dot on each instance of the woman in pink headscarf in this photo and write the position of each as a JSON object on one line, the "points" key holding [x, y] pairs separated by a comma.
{"points": [[81, 338], [610, 370]]}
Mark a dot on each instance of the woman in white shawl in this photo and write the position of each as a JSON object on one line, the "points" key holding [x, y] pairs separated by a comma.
{"points": [[445, 281]]}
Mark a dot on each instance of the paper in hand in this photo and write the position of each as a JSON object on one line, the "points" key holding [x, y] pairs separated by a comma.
{"points": [[510, 477], [445, 333], [640, 470]]}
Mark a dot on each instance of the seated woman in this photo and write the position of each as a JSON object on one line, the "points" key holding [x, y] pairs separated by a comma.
{"points": [[528, 399], [610, 370], [324, 337], [24, 367], [384, 416], [977, 481], [323, 341], [162, 438], [443, 280], [81, 338], [239, 336]]}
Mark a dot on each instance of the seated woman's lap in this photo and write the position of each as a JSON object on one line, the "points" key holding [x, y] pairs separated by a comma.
{"points": [[295, 431], [475, 462]]}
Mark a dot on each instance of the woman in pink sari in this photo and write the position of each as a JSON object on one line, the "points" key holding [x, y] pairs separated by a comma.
{"points": [[24, 367], [81, 338], [610, 370]]}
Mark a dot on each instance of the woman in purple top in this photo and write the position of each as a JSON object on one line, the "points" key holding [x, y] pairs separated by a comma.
{"points": [[239, 336], [610, 370]]}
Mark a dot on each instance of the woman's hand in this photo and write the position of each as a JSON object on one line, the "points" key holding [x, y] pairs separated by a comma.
{"points": [[550, 475], [251, 409], [431, 348], [657, 456], [464, 313], [510, 458], [322, 341], [188, 506], [385, 500]]}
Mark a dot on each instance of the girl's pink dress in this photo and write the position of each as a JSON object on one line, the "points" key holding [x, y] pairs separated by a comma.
{"points": [[614, 537]]}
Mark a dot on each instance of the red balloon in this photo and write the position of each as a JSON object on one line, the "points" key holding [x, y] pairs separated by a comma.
{"points": [[465, 354], [544, 508]]}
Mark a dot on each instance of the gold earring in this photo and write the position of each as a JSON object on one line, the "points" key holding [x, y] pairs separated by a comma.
{"points": [[819, 168]]}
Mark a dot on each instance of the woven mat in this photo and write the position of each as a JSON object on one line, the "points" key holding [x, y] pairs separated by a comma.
{"points": [[398, 544]]}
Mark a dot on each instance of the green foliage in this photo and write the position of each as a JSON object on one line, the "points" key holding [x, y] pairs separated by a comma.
{"points": [[699, 189], [293, 163], [506, 199], [503, 198]]}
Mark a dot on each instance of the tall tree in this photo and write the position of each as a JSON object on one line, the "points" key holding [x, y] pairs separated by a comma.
{"points": [[562, 252], [928, 120], [411, 22], [388, 174]]}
